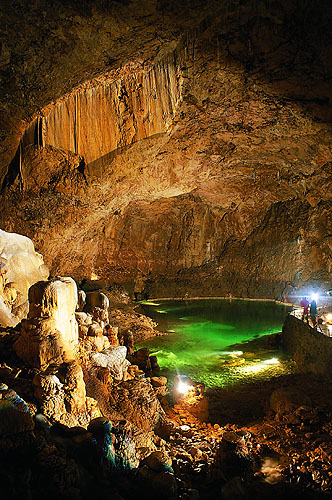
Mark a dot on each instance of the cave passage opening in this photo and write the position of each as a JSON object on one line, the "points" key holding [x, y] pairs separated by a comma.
{"points": [[208, 339]]}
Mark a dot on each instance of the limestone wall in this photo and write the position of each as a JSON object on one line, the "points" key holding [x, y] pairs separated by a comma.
{"points": [[311, 350], [103, 116]]}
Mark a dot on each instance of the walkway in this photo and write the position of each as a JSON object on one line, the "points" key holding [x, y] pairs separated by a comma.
{"points": [[324, 328]]}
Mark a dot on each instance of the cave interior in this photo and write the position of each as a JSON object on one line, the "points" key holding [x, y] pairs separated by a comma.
{"points": [[160, 149]]}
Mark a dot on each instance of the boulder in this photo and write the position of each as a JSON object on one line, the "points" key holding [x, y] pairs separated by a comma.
{"points": [[96, 299], [158, 381], [158, 461], [95, 330], [114, 359], [62, 394], [137, 402]]}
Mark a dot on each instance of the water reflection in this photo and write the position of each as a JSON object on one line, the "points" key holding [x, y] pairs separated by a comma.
{"points": [[203, 331]]}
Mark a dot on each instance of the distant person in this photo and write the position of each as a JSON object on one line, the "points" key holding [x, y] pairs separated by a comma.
{"points": [[305, 313], [313, 313]]}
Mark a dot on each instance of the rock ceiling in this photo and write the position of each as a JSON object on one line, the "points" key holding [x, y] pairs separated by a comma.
{"points": [[190, 144]]}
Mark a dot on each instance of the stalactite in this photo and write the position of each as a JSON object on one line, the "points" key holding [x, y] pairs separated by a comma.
{"points": [[97, 119]]}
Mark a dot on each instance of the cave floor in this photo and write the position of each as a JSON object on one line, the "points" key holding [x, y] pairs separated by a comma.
{"points": [[292, 450]]}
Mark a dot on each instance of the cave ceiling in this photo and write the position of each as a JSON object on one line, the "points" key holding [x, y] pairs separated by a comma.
{"points": [[185, 142]]}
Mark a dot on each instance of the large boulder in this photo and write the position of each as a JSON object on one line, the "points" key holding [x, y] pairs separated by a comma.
{"points": [[98, 299], [137, 402], [41, 344], [20, 267]]}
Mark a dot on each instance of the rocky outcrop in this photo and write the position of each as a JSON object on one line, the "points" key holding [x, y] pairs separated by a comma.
{"points": [[310, 348]]}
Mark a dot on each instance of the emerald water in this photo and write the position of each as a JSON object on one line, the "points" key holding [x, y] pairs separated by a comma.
{"points": [[202, 332]]}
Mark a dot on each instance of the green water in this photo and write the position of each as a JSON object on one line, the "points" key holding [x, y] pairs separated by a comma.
{"points": [[203, 331]]}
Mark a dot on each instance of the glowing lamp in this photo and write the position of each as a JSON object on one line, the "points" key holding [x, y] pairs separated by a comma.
{"points": [[314, 296], [329, 317], [182, 388], [182, 385]]}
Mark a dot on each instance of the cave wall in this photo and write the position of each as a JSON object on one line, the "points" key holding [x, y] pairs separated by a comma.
{"points": [[107, 115], [310, 349], [217, 182]]}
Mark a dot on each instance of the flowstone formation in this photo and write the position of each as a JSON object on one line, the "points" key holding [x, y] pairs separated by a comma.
{"points": [[20, 267], [172, 145]]}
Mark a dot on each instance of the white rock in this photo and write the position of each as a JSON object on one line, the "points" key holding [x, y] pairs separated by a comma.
{"points": [[114, 359], [21, 267]]}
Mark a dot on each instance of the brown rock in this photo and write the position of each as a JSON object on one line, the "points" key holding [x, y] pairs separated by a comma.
{"points": [[41, 344], [95, 330], [158, 381], [103, 374], [62, 395], [13, 421], [157, 461]]}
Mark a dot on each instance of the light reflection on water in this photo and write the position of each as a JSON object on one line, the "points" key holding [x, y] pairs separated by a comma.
{"points": [[203, 331]]}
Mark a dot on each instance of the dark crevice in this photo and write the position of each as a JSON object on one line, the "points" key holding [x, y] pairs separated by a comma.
{"points": [[13, 171]]}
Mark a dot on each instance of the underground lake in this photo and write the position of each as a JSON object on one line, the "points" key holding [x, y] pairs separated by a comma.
{"points": [[218, 341]]}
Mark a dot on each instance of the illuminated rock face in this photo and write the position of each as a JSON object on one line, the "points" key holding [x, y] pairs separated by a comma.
{"points": [[56, 299], [99, 119], [63, 400], [114, 359], [21, 266], [50, 334], [200, 160]]}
